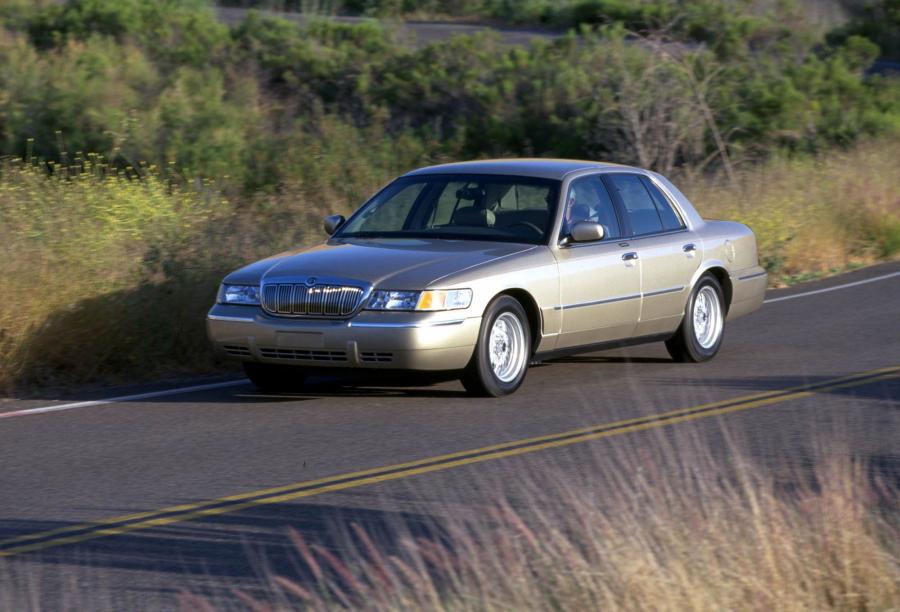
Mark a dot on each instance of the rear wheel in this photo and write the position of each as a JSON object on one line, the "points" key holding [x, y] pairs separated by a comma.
{"points": [[700, 335], [269, 377], [503, 350]]}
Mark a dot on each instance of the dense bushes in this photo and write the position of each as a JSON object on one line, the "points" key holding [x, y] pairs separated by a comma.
{"points": [[164, 82], [878, 21]]}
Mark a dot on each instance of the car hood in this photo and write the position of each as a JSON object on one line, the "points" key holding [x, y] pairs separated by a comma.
{"points": [[388, 264]]}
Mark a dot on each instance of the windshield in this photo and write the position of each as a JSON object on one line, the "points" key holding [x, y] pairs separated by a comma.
{"points": [[459, 207]]}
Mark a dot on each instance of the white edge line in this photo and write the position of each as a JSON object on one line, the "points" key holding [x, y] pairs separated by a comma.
{"points": [[235, 383], [123, 398], [835, 288]]}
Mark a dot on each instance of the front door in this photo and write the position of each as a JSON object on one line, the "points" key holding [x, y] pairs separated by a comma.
{"points": [[600, 282]]}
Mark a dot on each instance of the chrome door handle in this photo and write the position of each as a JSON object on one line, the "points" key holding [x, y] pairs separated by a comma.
{"points": [[689, 247], [629, 256]]}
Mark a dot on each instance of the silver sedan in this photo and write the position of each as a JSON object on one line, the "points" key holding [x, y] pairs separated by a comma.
{"points": [[477, 269]]}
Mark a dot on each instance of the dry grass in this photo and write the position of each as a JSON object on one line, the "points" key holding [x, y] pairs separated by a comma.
{"points": [[80, 249], [107, 275], [816, 215], [112, 272], [676, 519], [640, 529]]}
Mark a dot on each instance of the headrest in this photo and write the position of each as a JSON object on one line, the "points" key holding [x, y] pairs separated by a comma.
{"points": [[581, 212], [474, 217], [470, 193]]}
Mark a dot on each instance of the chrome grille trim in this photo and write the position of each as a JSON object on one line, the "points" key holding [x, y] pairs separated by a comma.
{"points": [[321, 300], [314, 300], [283, 302], [298, 298]]}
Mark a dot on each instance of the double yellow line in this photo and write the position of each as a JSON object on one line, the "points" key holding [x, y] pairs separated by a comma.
{"points": [[175, 514]]}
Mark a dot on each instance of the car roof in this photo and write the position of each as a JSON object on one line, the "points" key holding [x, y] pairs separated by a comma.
{"points": [[542, 168]]}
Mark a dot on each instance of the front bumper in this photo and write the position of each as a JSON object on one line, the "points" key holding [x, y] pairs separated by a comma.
{"points": [[377, 340]]}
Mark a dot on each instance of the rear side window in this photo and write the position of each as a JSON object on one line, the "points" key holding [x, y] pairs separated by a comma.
{"points": [[670, 219], [639, 206]]}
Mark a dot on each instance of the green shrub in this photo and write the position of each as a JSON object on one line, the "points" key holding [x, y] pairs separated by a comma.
{"points": [[174, 31], [876, 20]]}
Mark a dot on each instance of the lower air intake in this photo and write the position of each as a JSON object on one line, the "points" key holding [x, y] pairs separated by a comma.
{"points": [[302, 354]]}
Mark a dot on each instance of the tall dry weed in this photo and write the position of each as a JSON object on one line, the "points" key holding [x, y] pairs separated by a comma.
{"points": [[813, 215], [644, 525]]}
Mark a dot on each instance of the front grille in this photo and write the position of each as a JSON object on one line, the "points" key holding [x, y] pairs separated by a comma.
{"points": [[302, 354], [298, 300], [237, 351], [376, 357]]}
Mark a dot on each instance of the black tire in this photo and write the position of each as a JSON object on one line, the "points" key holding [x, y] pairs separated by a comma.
{"points": [[684, 346], [268, 377], [479, 377]]}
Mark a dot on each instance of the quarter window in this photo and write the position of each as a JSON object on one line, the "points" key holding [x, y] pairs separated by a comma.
{"points": [[670, 219]]}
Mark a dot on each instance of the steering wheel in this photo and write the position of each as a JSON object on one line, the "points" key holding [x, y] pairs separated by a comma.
{"points": [[527, 224]]}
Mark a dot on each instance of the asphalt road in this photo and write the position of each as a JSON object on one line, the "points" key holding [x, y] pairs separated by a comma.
{"points": [[63, 472], [418, 33], [422, 33]]}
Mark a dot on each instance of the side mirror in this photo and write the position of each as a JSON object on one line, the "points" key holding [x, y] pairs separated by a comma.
{"points": [[332, 223], [587, 231]]}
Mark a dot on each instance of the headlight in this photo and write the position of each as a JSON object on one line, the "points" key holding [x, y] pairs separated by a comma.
{"points": [[454, 299], [420, 300], [246, 295], [393, 300]]}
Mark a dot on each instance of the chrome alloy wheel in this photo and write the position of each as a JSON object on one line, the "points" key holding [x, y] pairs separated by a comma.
{"points": [[708, 319], [507, 348]]}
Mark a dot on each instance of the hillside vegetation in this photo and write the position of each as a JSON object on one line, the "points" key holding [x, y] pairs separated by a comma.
{"points": [[148, 149], [163, 82]]}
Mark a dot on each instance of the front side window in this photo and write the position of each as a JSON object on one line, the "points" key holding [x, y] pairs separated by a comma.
{"points": [[588, 200], [459, 207]]}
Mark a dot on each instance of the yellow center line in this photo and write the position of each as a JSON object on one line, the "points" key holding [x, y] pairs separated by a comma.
{"points": [[339, 482]]}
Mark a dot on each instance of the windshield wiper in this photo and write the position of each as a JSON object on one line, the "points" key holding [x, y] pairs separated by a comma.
{"points": [[401, 235], [440, 235], [370, 235]]}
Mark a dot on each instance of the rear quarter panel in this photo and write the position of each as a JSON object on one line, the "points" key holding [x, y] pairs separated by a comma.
{"points": [[732, 246]]}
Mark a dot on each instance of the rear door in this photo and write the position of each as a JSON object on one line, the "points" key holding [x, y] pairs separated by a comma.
{"points": [[668, 251], [600, 282]]}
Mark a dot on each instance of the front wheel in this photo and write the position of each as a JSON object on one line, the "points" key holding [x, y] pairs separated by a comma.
{"points": [[700, 334], [270, 377], [503, 350]]}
